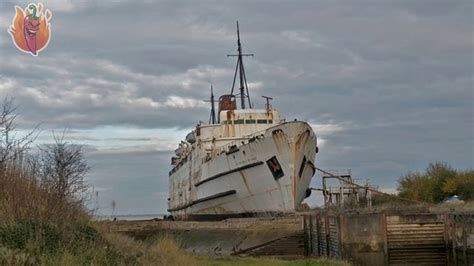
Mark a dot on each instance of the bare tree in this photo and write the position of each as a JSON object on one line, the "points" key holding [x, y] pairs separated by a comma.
{"points": [[64, 168], [12, 146]]}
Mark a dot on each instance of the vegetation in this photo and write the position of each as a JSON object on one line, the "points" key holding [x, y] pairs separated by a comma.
{"points": [[436, 183], [42, 214], [244, 261], [43, 220]]}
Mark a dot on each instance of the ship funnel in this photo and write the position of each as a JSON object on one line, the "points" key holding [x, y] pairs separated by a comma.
{"points": [[227, 102]]}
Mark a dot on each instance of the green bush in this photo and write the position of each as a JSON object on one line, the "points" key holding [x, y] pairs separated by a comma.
{"points": [[32, 242], [436, 183], [23, 234]]}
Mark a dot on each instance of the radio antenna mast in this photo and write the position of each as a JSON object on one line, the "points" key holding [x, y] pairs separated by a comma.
{"points": [[212, 116], [239, 68]]}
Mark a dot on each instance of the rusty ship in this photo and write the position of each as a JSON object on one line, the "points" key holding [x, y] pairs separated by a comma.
{"points": [[244, 162]]}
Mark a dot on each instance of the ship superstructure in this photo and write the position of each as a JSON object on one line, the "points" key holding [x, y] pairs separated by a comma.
{"points": [[245, 162]]}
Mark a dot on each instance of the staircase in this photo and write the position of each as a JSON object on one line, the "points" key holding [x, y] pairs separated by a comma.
{"points": [[290, 246]]}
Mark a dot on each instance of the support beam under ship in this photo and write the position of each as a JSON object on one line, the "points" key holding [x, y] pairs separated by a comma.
{"points": [[249, 163]]}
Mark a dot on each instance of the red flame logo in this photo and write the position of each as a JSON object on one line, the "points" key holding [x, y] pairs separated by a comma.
{"points": [[30, 29]]}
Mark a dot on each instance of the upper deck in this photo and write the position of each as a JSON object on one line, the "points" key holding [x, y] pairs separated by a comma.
{"points": [[238, 124], [233, 127]]}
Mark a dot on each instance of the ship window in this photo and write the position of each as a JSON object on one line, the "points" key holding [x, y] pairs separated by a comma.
{"points": [[237, 122], [270, 121], [261, 121], [250, 121], [302, 166], [275, 168]]}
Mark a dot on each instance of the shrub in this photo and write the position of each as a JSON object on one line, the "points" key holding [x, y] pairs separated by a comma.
{"points": [[31, 234], [436, 183]]}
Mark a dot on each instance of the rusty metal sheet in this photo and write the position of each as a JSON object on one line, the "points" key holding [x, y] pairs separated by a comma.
{"points": [[460, 238], [322, 237], [334, 237], [415, 242], [314, 235]]}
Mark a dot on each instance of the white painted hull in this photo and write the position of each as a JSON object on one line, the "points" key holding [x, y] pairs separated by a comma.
{"points": [[241, 182]]}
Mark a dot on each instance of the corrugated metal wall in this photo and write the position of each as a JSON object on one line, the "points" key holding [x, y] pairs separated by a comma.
{"points": [[323, 236], [459, 228], [334, 240], [405, 239], [410, 241]]}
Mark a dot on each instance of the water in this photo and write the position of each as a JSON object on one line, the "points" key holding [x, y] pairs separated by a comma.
{"points": [[130, 217]]}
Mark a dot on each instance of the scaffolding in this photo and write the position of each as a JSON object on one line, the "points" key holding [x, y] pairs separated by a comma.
{"points": [[339, 190]]}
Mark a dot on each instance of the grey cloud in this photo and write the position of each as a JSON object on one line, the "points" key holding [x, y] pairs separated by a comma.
{"points": [[397, 74]]}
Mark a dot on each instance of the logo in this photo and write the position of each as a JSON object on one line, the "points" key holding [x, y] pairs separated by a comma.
{"points": [[275, 167], [30, 29]]}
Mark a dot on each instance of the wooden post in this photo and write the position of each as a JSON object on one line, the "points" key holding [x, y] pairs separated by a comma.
{"points": [[326, 228], [305, 234], [339, 229], [318, 225], [446, 235], [464, 242], [453, 240], [311, 248], [385, 237]]}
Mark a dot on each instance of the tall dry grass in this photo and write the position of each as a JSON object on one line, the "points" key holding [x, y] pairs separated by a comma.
{"points": [[23, 197], [162, 251], [37, 226], [40, 227]]}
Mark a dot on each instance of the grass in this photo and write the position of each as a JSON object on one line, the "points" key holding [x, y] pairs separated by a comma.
{"points": [[454, 207], [117, 249], [241, 261], [39, 227], [166, 251], [33, 242]]}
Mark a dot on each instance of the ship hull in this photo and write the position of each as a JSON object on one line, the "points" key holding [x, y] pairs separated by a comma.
{"points": [[267, 174]]}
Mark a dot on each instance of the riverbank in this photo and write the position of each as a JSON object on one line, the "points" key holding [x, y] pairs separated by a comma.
{"points": [[36, 242]]}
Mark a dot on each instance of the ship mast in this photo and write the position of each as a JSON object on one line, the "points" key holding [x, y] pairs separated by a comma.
{"points": [[212, 116], [239, 68], [213, 112]]}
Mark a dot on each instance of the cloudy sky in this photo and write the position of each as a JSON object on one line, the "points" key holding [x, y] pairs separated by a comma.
{"points": [[387, 85]]}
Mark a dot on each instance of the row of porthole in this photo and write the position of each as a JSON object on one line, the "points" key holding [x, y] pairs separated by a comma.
{"points": [[249, 121]]}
